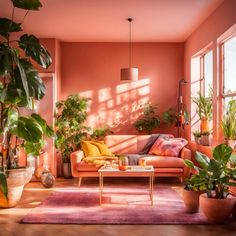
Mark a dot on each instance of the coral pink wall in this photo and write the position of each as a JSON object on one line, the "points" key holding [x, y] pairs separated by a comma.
{"points": [[93, 70], [208, 34]]}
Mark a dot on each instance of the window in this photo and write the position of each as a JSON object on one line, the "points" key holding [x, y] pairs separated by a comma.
{"points": [[201, 82], [229, 69]]}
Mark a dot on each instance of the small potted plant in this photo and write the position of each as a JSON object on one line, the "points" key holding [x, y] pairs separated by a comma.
{"points": [[229, 124], [194, 186], [149, 121], [217, 203], [101, 133], [204, 110], [197, 136], [206, 138]]}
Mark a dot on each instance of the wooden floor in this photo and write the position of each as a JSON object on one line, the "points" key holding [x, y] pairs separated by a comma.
{"points": [[34, 193]]}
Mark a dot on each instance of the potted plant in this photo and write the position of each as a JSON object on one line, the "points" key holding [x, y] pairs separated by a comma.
{"points": [[101, 133], [206, 138], [149, 121], [20, 86], [197, 137], [70, 129], [217, 204], [194, 186], [204, 110], [229, 124]]}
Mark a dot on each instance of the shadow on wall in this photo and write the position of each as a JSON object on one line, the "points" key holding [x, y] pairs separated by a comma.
{"points": [[117, 106]]}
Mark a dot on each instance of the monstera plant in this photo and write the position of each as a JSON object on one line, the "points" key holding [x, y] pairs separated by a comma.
{"points": [[20, 86]]}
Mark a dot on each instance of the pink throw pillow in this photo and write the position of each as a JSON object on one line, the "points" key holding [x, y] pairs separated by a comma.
{"points": [[168, 147]]}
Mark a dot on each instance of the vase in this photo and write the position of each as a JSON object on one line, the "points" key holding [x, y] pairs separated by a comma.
{"points": [[66, 170], [47, 179], [204, 126], [16, 180]]}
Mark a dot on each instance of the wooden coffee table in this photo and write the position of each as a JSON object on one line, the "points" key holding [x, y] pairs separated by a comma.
{"points": [[132, 171]]}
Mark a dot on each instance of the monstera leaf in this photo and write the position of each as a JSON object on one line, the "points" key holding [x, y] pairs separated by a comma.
{"points": [[32, 47], [28, 129], [7, 26], [36, 87], [27, 4], [5, 59]]}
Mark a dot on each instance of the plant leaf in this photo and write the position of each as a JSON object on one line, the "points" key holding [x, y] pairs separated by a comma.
{"points": [[46, 128], [222, 153], [203, 160], [7, 26], [3, 184], [28, 129], [189, 163], [5, 59], [27, 4], [32, 47]]}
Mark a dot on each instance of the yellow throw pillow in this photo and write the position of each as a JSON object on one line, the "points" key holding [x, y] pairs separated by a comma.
{"points": [[89, 149], [104, 150]]}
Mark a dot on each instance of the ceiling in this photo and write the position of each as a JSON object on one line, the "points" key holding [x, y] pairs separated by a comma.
{"points": [[105, 20]]}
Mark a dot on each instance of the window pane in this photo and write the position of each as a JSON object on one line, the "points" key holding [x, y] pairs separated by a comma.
{"points": [[208, 73], [230, 66]]}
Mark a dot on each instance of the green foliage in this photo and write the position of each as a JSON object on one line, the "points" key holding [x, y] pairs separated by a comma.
{"points": [[149, 120], [204, 106], [101, 133], [229, 121], [170, 116], [21, 85], [3, 183], [214, 172], [196, 183], [197, 134], [70, 129]]}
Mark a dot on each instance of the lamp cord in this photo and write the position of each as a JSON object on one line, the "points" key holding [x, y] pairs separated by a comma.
{"points": [[130, 20]]}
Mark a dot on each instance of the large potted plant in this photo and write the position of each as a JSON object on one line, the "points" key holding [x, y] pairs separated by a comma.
{"points": [[20, 86], [229, 124], [70, 129], [217, 203], [149, 121]]}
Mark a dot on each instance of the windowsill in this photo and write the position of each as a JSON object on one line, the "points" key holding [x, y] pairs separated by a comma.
{"points": [[199, 145]]}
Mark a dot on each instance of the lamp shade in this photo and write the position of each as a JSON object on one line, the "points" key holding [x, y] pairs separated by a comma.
{"points": [[129, 74]]}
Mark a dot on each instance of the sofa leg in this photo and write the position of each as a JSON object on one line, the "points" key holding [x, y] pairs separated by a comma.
{"points": [[181, 179], [79, 181]]}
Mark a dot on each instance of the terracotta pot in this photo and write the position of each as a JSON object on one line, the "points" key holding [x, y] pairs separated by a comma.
{"points": [[206, 140], [217, 210], [16, 180], [191, 200], [204, 126]]}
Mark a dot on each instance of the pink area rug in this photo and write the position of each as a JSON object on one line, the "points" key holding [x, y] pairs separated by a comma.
{"points": [[121, 205]]}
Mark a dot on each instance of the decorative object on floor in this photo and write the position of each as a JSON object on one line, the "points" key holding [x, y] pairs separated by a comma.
{"points": [[121, 205], [182, 114], [47, 179], [149, 120], [229, 124], [131, 73], [70, 129], [20, 87], [217, 204]]}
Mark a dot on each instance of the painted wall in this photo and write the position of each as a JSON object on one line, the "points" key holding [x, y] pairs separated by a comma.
{"points": [[93, 70], [207, 35]]}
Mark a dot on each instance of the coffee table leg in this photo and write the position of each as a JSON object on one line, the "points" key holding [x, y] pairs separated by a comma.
{"points": [[151, 187], [100, 186]]}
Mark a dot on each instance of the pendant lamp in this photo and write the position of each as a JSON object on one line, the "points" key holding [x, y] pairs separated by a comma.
{"points": [[131, 73]]}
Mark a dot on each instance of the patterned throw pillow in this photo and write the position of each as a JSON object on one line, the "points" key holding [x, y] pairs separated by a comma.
{"points": [[168, 147]]}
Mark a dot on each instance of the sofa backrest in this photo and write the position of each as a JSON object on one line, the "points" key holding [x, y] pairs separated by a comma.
{"points": [[121, 144]]}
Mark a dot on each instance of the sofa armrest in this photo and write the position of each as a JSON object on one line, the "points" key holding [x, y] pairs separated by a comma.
{"points": [[186, 155], [75, 158]]}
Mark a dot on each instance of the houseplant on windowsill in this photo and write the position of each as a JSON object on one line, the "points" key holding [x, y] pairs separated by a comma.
{"points": [[101, 133], [149, 120], [20, 86], [229, 124], [70, 129], [217, 204], [204, 110], [197, 137]]}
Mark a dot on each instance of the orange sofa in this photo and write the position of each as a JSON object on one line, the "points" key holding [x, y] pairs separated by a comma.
{"points": [[133, 144]]}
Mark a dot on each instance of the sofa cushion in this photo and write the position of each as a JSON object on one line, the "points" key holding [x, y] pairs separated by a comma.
{"points": [[168, 147], [82, 166], [90, 149], [163, 161], [103, 149]]}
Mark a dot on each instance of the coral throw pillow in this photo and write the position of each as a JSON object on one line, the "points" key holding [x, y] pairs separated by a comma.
{"points": [[168, 147], [89, 149]]}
